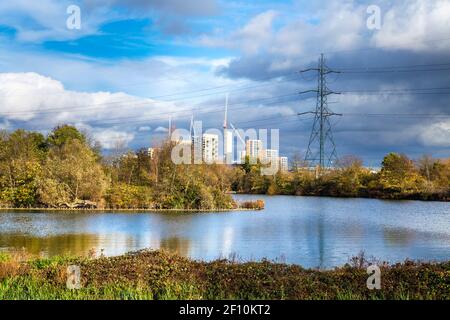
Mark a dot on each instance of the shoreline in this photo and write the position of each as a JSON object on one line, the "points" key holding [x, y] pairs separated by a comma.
{"points": [[145, 210], [346, 197], [130, 210], [256, 205]]}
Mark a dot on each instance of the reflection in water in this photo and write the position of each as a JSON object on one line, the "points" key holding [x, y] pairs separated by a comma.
{"points": [[82, 244], [398, 236], [70, 244], [176, 245], [227, 244], [313, 232], [321, 241]]}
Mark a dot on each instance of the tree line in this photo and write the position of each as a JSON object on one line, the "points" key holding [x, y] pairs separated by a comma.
{"points": [[66, 169], [398, 178]]}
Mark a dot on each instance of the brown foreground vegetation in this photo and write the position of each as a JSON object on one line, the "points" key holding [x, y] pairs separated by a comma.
{"points": [[160, 275]]}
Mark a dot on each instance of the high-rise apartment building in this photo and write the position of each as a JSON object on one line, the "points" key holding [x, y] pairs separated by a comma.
{"points": [[210, 147], [270, 157], [284, 164], [151, 152], [253, 149]]}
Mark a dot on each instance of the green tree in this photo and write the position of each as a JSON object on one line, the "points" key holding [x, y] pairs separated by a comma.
{"points": [[399, 176], [64, 134]]}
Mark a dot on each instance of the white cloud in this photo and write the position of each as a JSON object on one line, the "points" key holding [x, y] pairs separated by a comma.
{"points": [[256, 33], [27, 96], [144, 128], [415, 25], [153, 76], [44, 103], [161, 129], [38, 102], [251, 38], [436, 135], [286, 39], [109, 138]]}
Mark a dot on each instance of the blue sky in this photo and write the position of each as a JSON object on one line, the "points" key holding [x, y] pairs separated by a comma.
{"points": [[135, 63]]}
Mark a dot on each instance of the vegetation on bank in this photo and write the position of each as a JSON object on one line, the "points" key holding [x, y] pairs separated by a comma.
{"points": [[160, 275], [67, 170], [399, 178]]}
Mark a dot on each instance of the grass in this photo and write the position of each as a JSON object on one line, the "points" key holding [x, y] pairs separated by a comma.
{"points": [[161, 275]]}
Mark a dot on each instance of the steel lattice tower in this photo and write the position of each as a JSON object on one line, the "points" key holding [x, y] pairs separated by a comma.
{"points": [[321, 146]]}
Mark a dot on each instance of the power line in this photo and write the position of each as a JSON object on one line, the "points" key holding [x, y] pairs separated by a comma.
{"points": [[188, 112], [399, 90], [349, 93], [133, 102], [212, 109], [141, 103], [263, 79], [57, 110], [395, 71], [412, 41], [406, 115], [395, 67]]}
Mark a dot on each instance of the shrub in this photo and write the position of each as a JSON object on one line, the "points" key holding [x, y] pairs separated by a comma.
{"points": [[256, 205]]}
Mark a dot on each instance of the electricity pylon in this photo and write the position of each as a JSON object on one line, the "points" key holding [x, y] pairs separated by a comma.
{"points": [[324, 155]]}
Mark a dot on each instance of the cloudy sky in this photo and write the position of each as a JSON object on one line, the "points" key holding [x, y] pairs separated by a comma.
{"points": [[132, 64]]}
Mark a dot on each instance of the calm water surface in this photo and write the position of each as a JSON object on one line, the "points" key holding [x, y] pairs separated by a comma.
{"points": [[313, 232]]}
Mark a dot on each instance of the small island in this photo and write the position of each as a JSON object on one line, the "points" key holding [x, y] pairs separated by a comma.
{"points": [[67, 171]]}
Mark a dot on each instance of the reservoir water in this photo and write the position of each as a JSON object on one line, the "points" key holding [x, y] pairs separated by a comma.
{"points": [[310, 231]]}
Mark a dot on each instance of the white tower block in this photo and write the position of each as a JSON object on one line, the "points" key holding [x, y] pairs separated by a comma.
{"points": [[227, 137]]}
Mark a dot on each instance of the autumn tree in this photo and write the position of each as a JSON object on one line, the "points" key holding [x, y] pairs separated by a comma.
{"points": [[399, 175], [351, 177], [21, 153], [72, 171]]}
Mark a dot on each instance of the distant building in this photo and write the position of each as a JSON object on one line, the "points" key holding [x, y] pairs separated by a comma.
{"points": [[253, 149], [284, 164], [151, 152], [242, 155], [129, 155], [209, 144], [227, 146], [269, 156]]}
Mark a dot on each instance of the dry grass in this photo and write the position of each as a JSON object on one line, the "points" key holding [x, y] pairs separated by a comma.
{"points": [[13, 264]]}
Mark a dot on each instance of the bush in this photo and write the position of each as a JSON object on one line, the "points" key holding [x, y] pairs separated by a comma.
{"points": [[123, 196], [255, 205]]}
